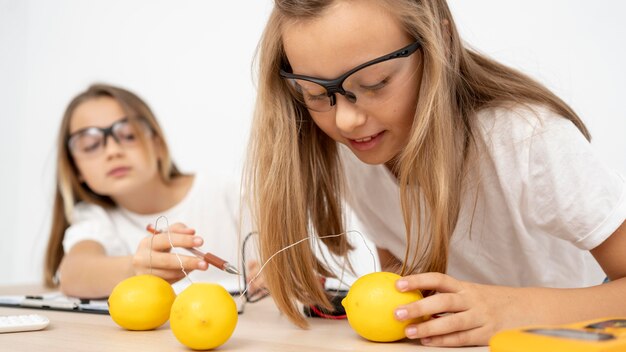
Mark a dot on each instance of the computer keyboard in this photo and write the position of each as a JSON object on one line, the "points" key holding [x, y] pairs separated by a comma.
{"points": [[25, 322]]}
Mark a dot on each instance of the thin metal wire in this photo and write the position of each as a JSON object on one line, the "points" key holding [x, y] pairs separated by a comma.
{"points": [[262, 293], [169, 239], [247, 284]]}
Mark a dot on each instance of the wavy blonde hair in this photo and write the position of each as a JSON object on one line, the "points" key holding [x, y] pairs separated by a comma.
{"points": [[294, 174], [70, 190]]}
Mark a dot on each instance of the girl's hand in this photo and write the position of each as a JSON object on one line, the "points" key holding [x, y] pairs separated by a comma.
{"points": [[472, 312], [165, 264]]}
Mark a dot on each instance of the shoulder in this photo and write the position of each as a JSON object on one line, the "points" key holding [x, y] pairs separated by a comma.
{"points": [[548, 174], [522, 133], [116, 229], [517, 122]]}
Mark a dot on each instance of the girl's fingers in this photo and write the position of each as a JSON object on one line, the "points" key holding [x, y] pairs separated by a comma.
{"points": [[429, 281], [170, 276], [459, 338], [435, 304], [161, 242], [444, 325], [182, 228], [169, 261]]}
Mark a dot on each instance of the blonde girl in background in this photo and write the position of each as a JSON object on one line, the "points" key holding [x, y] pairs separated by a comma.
{"points": [[115, 175], [473, 179]]}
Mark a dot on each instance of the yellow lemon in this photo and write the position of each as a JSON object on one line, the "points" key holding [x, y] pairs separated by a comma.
{"points": [[203, 316], [141, 302], [370, 306]]}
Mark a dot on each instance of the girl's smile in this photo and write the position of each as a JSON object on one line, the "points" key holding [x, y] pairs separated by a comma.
{"points": [[367, 143]]}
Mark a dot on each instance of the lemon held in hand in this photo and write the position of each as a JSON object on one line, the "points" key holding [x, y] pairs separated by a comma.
{"points": [[203, 316], [370, 305], [141, 302]]}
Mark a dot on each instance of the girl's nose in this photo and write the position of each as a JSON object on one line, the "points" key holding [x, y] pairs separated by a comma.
{"points": [[111, 147], [348, 116]]}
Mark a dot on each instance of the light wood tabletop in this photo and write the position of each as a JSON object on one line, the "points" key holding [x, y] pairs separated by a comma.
{"points": [[260, 328]]}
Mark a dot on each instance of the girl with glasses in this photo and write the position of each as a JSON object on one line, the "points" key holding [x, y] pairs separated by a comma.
{"points": [[476, 182], [115, 176]]}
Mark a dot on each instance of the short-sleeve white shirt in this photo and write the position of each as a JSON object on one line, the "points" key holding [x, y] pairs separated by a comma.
{"points": [[536, 201], [211, 207]]}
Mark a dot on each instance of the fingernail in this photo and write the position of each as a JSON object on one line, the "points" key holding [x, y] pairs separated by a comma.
{"points": [[425, 340], [203, 265], [401, 313], [402, 285], [411, 332], [197, 241]]}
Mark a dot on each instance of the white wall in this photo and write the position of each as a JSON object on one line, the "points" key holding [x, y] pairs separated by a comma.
{"points": [[191, 61], [575, 47]]}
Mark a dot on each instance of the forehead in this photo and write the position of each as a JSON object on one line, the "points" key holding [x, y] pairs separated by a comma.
{"points": [[347, 34], [96, 112]]}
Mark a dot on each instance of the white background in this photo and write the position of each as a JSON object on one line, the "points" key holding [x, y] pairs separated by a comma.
{"points": [[192, 62]]}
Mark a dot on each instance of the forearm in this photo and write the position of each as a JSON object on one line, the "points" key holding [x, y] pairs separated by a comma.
{"points": [[93, 276], [527, 306], [568, 305]]}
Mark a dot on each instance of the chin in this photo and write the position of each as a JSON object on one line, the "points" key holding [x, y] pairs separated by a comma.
{"points": [[373, 158]]}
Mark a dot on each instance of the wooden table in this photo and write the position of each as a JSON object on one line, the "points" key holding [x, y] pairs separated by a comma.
{"points": [[260, 328]]}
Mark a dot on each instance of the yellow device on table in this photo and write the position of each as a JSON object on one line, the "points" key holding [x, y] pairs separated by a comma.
{"points": [[600, 335]]}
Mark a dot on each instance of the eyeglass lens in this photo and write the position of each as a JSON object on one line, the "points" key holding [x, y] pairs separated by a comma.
{"points": [[371, 86], [92, 140]]}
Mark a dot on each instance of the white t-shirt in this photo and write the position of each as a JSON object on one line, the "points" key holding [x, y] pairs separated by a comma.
{"points": [[539, 200], [211, 207]]}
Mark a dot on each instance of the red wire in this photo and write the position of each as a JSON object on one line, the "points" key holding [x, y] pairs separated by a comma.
{"points": [[322, 314], [327, 316]]}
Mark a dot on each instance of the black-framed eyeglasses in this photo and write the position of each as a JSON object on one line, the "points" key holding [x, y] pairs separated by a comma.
{"points": [[91, 141], [368, 83]]}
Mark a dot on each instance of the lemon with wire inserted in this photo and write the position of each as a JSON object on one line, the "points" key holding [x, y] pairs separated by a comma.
{"points": [[141, 302], [370, 305], [203, 316]]}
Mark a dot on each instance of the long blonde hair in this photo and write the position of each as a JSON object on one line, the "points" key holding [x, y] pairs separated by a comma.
{"points": [[70, 190], [293, 171]]}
